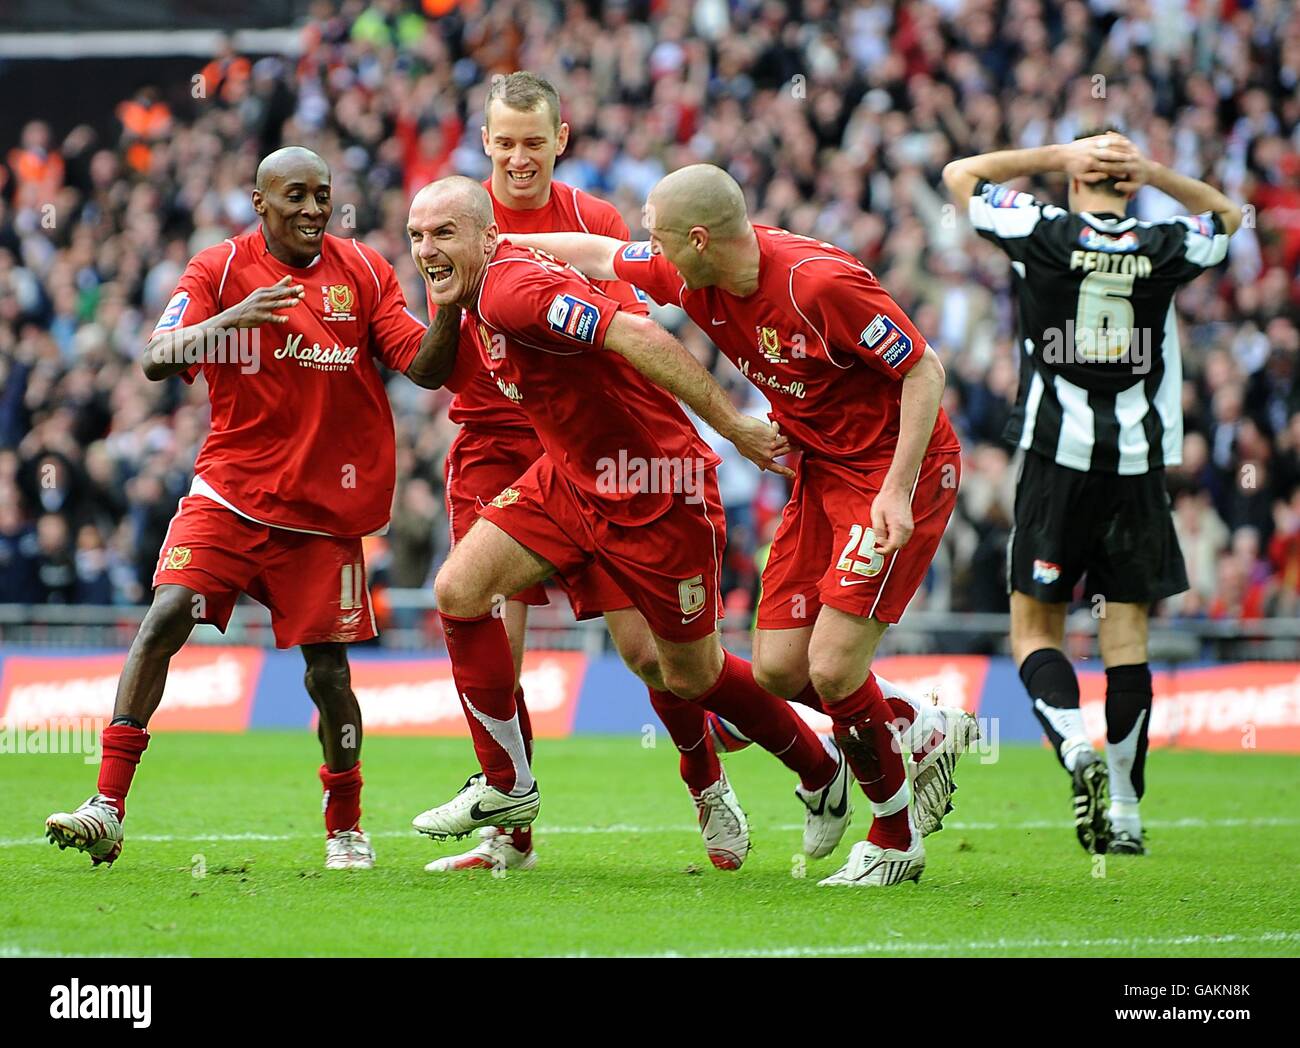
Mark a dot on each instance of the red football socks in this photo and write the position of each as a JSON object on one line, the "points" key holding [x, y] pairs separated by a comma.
{"points": [[864, 736], [485, 679], [769, 721], [342, 798], [687, 725], [121, 746], [809, 697]]}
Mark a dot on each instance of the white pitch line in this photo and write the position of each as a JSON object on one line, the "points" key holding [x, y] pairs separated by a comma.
{"points": [[622, 828], [904, 945], [8, 950]]}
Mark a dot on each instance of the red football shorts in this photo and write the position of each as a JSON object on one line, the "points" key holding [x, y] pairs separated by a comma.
{"points": [[823, 552], [314, 585], [668, 568], [482, 465]]}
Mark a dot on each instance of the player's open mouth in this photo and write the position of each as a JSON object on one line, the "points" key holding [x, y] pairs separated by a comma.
{"points": [[522, 178], [311, 232], [439, 273]]}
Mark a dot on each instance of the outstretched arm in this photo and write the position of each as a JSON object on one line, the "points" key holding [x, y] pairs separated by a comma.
{"points": [[435, 361], [591, 255], [666, 362]]}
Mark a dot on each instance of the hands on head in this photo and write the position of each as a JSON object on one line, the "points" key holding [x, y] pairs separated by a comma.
{"points": [[1108, 155]]}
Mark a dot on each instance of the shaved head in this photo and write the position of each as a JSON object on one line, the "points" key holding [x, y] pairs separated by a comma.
{"points": [[285, 164], [294, 198], [453, 232], [699, 195], [458, 196]]}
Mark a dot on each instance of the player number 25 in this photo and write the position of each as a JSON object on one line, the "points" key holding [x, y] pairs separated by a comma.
{"points": [[862, 543]]}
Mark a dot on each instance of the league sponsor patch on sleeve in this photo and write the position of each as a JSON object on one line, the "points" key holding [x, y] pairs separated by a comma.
{"points": [[572, 317], [887, 340], [1198, 224], [638, 252], [174, 312], [1001, 196]]}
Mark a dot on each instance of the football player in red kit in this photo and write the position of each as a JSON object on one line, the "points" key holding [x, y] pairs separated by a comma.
{"points": [[855, 387], [288, 326], [523, 135], [625, 482]]}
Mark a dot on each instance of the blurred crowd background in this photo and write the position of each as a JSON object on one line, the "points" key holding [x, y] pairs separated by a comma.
{"points": [[836, 118]]}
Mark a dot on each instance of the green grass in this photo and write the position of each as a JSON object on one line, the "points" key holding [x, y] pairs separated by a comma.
{"points": [[622, 870]]}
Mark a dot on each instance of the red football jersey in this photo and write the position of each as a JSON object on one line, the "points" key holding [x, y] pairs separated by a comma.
{"points": [[619, 439], [478, 402], [303, 439], [820, 337]]}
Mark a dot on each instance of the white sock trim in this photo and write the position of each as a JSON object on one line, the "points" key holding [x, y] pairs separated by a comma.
{"points": [[1120, 757], [900, 800], [506, 734]]}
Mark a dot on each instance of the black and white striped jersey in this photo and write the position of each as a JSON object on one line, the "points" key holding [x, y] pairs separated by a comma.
{"points": [[1101, 374]]}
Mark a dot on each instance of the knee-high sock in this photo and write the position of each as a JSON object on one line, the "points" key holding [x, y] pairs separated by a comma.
{"points": [[485, 679], [1049, 678], [916, 721], [863, 729], [769, 721], [687, 725], [342, 798], [120, 748], [1128, 716]]}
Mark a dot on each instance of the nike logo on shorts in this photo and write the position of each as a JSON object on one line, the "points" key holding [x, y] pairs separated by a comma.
{"points": [[687, 622], [854, 582]]}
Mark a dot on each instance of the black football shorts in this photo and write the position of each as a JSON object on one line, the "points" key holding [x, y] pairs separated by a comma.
{"points": [[1116, 530]]}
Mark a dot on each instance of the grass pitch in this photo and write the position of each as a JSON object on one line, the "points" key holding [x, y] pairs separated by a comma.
{"points": [[224, 856]]}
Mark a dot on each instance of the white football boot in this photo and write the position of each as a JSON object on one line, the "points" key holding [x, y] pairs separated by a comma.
{"points": [[495, 851], [871, 866], [349, 850], [478, 805], [722, 824], [829, 809], [93, 828], [933, 785]]}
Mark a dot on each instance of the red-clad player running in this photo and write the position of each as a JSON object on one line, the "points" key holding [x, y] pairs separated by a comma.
{"points": [[625, 482], [854, 385], [287, 325], [523, 135]]}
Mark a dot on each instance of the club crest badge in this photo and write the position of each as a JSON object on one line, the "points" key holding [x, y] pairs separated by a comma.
{"points": [[339, 300]]}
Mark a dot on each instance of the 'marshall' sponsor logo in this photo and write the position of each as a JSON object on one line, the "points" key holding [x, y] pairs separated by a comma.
{"points": [[75, 1001], [323, 358]]}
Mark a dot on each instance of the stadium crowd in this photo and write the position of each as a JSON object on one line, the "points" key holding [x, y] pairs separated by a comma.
{"points": [[836, 119]]}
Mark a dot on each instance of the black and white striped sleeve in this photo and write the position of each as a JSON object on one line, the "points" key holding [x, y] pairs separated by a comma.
{"points": [[1009, 218], [1202, 243]]}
